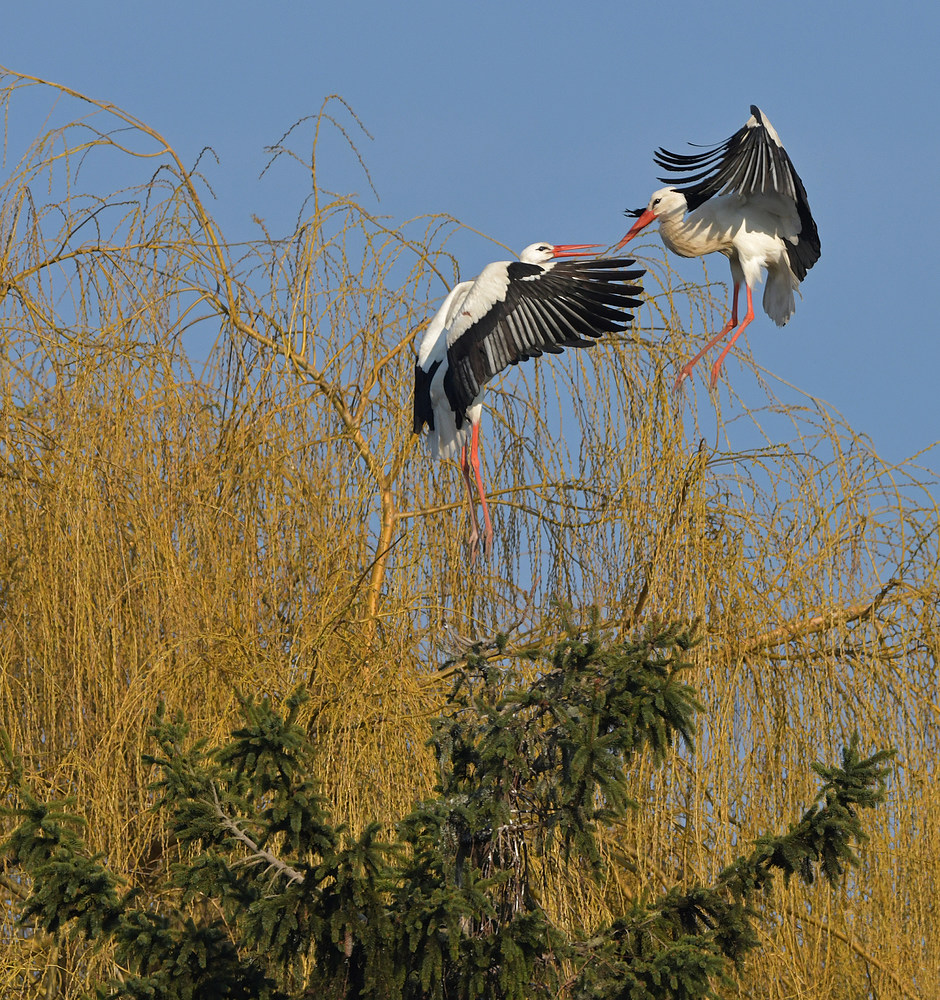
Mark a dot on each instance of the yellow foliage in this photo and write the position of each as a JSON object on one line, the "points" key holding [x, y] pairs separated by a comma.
{"points": [[210, 485]]}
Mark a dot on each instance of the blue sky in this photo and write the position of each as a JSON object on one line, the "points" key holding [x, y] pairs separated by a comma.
{"points": [[538, 121]]}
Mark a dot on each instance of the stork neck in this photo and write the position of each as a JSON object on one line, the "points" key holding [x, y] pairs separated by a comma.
{"points": [[691, 235]]}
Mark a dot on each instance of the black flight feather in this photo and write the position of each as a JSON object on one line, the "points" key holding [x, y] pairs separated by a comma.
{"points": [[749, 162], [546, 309]]}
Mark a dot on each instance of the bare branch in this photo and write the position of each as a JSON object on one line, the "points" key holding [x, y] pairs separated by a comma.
{"points": [[835, 616], [260, 855]]}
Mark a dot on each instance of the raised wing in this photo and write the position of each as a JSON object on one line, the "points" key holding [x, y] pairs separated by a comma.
{"points": [[519, 311], [752, 161]]}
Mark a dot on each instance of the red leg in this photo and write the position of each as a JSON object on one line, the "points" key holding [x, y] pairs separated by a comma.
{"points": [[475, 462], [737, 333], [726, 329], [475, 531]]}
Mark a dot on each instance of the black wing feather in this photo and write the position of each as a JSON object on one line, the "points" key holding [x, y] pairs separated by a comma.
{"points": [[424, 409], [569, 303], [748, 162]]}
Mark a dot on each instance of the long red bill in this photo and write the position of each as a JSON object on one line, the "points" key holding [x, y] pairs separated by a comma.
{"points": [[573, 249], [646, 217]]}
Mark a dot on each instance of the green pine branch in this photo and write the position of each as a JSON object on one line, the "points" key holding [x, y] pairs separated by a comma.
{"points": [[719, 922], [166, 955], [272, 899]]}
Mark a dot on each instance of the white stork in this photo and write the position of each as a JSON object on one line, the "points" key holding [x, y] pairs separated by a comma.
{"points": [[514, 310], [744, 199]]}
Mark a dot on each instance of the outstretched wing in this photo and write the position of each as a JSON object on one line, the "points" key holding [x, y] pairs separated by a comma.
{"points": [[750, 162], [519, 311]]}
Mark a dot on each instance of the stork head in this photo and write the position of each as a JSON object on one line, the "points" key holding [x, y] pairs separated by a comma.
{"points": [[541, 253], [665, 201]]}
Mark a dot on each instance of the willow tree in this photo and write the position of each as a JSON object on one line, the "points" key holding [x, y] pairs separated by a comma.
{"points": [[185, 523]]}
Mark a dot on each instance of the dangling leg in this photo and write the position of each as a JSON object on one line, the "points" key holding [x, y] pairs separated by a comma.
{"points": [[716, 368], [728, 327], [475, 531], [475, 462]]}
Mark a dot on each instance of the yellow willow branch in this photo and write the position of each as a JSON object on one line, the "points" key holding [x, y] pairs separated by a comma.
{"points": [[694, 470], [230, 307], [214, 243], [835, 616], [374, 374], [857, 948], [389, 514]]}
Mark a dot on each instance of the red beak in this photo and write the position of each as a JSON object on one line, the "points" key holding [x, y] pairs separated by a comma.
{"points": [[646, 217], [574, 249]]}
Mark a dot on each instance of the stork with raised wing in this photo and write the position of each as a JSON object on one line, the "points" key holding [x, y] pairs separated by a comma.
{"points": [[742, 198], [514, 311]]}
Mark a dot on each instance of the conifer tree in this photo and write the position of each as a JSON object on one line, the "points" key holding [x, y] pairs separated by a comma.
{"points": [[272, 899]]}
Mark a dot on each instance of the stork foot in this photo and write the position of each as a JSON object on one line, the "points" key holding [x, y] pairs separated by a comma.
{"points": [[685, 373], [475, 546]]}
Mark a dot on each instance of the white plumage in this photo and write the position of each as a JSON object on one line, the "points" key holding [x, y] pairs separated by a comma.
{"points": [[444, 439], [742, 198], [514, 310]]}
